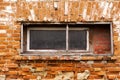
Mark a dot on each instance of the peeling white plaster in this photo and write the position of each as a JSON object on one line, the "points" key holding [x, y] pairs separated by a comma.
{"points": [[8, 9], [10, 0], [2, 31], [4, 19], [33, 0], [117, 23], [50, 19], [92, 13], [29, 18], [111, 5], [45, 19], [32, 14], [115, 17], [84, 13], [73, 0], [119, 38], [56, 5], [90, 62], [105, 8], [104, 62], [47, 5], [109, 10], [9, 35], [64, 76], [84, 75], [2, 77], [66, 8], [39, 78], [102, 4]]}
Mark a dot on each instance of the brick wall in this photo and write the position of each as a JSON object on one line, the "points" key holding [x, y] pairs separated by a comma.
{"points": [[16, 67], [101, 39]]}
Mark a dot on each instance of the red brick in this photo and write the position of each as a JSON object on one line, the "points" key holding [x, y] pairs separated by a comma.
{"points": [[98, 65], [3, 35], [112, 76], [11, 62], [3, 27], [4, 3], [16, 38], [3, 38], [12, 73], [30, 77], [113, 69], [2, 46], [40, 69], [39, 64], [68, 65], [25, 69], [5, 69], [83, 65], [12, 65], [16, 34]]}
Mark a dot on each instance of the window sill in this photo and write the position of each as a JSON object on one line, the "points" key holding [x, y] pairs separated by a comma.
{"points": [[72, 56]]}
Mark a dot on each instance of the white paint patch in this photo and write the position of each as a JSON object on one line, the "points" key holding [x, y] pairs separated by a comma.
{"points": [[90, 62], [111, 5], [66, 8], [102, 4], [116, 23], [32, 0], [8, 9], [10, 0], [84, 13], [84, 75], [74, 0], [2, 77], [32, 14], [56, 5], [64, 76], [2, 31], [29, 17], [105, 9], [4, 19], [45, 19]]}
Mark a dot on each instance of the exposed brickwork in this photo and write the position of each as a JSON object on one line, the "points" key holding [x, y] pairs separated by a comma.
{"points": [[16, 67], [101, 40]]}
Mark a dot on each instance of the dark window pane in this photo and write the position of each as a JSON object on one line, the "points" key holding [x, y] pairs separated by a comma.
{"points": [[48, 39], [77, 39]]}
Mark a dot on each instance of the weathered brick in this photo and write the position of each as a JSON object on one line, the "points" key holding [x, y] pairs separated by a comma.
{"points": [[112, 76], [39, 64], [12, 73], [16, 35], [29, 77], [98, 65], [113, 69], [40, 69], [3, 35], [68, 65], [11, 63], [25, 69], [97, 69]]}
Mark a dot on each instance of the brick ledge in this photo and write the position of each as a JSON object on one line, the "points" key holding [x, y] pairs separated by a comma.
{"points": [[76, 58]]}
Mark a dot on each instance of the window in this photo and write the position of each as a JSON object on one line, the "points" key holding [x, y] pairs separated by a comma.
{"points": [[56, 39], [67, 38]]}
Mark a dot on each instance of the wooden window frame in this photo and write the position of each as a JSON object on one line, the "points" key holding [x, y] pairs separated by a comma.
{"points": [[67, 43], [81, 53]]}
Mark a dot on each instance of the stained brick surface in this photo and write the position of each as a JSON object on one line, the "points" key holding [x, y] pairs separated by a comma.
{"points": [[14, 66]]}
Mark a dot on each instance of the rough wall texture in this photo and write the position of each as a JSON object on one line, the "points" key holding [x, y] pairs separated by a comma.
{"points": [[16, 67]]}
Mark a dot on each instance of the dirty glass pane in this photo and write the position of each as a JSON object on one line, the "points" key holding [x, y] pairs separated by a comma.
{"points": [[48, 39], [77, 39]]}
